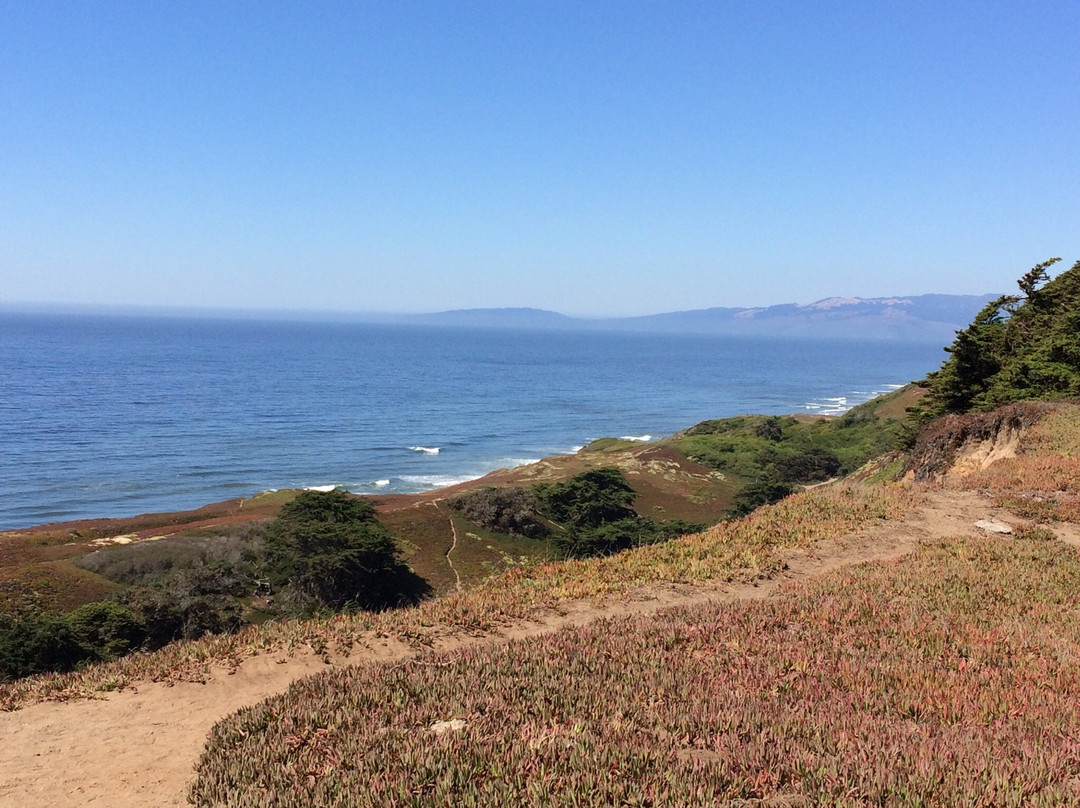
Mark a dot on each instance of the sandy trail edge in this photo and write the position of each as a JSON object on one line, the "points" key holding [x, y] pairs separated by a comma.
{"points": [[138, 747]]}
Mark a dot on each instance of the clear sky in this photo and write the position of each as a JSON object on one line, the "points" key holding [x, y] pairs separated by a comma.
{"points": [[588, 157]]}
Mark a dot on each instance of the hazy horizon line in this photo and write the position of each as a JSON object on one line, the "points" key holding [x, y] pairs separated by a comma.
{"points": [[282, 313]]}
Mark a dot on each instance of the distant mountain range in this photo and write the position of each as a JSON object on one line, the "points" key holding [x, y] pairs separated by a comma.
{"points": [[930, 318], [933, 318]]}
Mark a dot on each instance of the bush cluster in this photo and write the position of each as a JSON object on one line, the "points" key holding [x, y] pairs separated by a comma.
{"points": [[41, 643], [185, 604], [594, 510], [326, 551], [781, 452], [514, 511]]}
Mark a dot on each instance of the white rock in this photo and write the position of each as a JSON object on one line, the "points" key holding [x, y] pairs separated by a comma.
{"points": [[993, 526], [453, 725]]}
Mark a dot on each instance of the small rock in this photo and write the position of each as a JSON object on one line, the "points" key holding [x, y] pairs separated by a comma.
{"points": [[993, 526], [453, 725]]}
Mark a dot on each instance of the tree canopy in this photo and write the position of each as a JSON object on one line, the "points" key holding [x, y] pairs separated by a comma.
{"points": [[589, 499], [328, 549], [1019, 347]]}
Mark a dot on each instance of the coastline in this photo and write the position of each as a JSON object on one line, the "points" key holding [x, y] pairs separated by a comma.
{"points": [[264, 504]]}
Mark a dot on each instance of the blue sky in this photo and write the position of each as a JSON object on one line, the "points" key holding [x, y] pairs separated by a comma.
{"points": [[592, 158]]}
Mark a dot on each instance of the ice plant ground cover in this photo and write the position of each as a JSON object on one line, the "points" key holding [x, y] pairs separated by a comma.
{"points": [[948, 677], [744, 549]]}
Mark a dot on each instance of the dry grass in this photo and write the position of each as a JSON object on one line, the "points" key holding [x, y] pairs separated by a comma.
{"points": [[947, 678], [744, 549]]}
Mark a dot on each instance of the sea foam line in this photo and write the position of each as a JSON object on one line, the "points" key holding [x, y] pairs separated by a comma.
{"points": [[838, 405]]}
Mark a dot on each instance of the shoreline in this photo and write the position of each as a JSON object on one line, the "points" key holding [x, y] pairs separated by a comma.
{"points": [[232, 509], [251, 508], [264, 504]]}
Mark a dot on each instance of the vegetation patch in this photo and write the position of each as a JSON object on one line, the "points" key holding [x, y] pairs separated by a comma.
{"points": [[610, 445], [780, 452], [743, 549], [147, 562], [942, 679], [50, 587], [513, 511]]}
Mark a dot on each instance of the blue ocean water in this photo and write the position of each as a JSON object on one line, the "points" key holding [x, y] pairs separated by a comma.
{"points": [[118, 415]]}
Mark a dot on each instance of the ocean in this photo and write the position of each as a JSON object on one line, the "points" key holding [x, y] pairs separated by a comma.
{"points": [[109, 416]]}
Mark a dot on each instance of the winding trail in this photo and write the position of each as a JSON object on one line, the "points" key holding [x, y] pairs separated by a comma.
{"points": [[453, 546], [137, 748]]}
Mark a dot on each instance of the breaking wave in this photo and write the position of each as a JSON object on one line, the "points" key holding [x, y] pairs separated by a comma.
{"points": [[838, 405]]}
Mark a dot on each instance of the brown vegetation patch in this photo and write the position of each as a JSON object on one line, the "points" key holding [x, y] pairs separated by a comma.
{"points": [[1042, 480], [945, 678], [52, 587]]}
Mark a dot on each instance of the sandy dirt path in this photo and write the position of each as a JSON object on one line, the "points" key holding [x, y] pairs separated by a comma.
{"points": [[137, 748]]}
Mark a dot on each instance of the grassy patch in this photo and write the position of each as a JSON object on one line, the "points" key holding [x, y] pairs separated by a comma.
{"points": [[1057, 434], [601, 445], [792, 449], [481, 553], [943, 679]]}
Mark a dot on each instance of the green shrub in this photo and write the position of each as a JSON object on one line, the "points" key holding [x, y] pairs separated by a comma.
{"points": [[614, 537], [588, 500], [789, 450], [809, 466], [594, 511], [327, 549], [174, 611], [107, 629], [756, 494], [514, 511], [38, 644]]}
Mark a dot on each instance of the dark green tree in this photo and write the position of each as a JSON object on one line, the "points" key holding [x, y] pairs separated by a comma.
{"points": [[589, 499], [1032, 279], [328, 549], [1017, 348]]}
